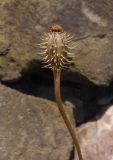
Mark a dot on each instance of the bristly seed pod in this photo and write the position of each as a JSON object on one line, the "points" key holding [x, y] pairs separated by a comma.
{"points": [[56, 54], [56, 46]]}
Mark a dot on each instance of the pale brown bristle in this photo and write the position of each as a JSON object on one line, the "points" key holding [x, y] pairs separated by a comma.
{"points": [[55, 48]]}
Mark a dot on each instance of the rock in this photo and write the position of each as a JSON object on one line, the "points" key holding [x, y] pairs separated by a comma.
{"points": [[97, 138], [31, 128], [94, 60], [90, 22]]}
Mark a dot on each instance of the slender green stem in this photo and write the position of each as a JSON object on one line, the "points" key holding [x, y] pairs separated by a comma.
{"points": [[57, 74]]}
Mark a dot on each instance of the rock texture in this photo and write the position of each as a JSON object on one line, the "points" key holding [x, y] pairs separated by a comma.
{"points": [[90, 22], [31, 128], [97, 138]]}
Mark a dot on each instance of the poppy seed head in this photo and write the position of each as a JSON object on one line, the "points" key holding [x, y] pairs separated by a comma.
{"points": [[56, 46]]}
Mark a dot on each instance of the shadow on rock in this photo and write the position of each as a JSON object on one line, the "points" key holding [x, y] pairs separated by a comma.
{"points": [[89, 101]]}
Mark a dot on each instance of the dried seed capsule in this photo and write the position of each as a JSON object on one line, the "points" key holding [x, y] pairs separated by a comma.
{"points": [[56, 43]]}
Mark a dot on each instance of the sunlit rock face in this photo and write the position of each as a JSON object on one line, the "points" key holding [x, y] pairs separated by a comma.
{"points": [[31, 128], [97, 137], [22, 25]]}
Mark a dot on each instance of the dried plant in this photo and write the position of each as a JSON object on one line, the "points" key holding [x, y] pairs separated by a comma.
{"points": [[56, 46]]}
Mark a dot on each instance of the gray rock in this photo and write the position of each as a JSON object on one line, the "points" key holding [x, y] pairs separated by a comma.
{"points": [[93, 60], [97, 138], [23, 23], [31, 128]]}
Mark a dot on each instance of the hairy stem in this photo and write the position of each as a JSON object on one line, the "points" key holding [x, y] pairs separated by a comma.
{"points": [[57, 74]]}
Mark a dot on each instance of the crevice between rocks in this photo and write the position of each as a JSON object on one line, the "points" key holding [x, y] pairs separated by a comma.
{"points": [[89, 101], [72, 154]]}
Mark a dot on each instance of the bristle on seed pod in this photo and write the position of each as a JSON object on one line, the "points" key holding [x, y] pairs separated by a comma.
{"points": [[56, 45]]}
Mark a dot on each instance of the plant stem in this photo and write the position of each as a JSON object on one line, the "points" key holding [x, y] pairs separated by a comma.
{"points": [[71, 130]]}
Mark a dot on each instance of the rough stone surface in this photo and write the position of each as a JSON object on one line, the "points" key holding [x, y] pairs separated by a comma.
{"points": [[21, 26], [31, 128], [97, 138]]}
